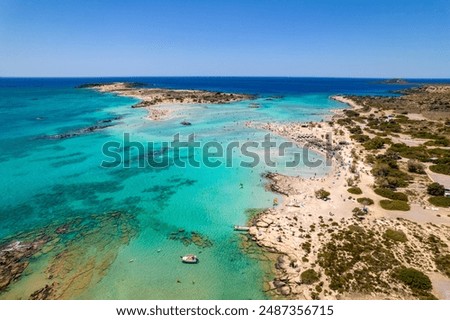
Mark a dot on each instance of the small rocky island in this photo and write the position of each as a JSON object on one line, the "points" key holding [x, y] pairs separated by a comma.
{"points": [[394, 81], [154, 97]]}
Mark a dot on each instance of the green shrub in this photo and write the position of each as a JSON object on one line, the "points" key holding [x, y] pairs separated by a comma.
{"points": [[395, 235], [309, 276], [351, 113], [441, 168], [374, 144], [354, 190], [358, 212], [420, 153], [344, 121], [396, 205], [443, 155], [365, 201], [424, 135], [440, 141], [393, 195], [440, 201], [413, 278], [436, 189], [388, 175], [389, 158], [391, 182], [355, 130], [361, 138], [416, 166], [322, 194], [443, 264]]}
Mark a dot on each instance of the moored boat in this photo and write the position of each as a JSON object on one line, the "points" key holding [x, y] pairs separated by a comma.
{"points": [[189, 258], [241, 228]]}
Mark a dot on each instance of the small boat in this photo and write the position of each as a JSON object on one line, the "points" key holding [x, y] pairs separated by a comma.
{"points": [[189, 258], [241, 228]]}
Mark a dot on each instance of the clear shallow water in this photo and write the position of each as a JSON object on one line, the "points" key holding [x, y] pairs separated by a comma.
{"points": [[47, 183]]}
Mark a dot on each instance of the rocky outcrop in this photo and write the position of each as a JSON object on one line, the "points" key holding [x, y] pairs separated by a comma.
{"points": [[14, 259], [102, 124]]}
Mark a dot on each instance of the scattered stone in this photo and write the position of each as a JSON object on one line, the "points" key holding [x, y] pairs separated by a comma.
{"points": [[285, 291]]}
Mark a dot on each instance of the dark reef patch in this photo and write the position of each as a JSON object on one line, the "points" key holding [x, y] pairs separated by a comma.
{"points": [[188, 238], [165, 192], [68, 162], [72, 268], [102, 124]]}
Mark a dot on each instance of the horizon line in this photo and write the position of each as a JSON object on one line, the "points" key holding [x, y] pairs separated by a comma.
{"points": [[218, 76]]}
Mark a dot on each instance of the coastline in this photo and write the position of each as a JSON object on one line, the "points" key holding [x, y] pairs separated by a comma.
{"points": [[296, 230], [300, 227], [157, 101], [274, 228]]}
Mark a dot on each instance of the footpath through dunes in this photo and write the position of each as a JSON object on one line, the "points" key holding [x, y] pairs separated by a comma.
{"points": [[359, 232], [154, 98]]}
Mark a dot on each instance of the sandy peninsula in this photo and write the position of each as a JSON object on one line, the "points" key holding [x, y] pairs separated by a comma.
{"points": [[158, 100]]}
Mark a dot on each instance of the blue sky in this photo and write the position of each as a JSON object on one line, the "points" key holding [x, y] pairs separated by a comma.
{"points": [[337, 38]]}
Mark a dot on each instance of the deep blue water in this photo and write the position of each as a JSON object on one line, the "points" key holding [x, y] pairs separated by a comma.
{"points": [[255, 85]]}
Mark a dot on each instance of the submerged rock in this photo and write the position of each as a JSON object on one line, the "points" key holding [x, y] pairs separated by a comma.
{"points": [[44, 293], [72, 268], [14, 259], [188, 238], [62, 229], [102, 124]]}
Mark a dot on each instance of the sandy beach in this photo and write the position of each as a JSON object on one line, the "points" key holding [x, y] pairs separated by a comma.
{"points": [[302, 224]]}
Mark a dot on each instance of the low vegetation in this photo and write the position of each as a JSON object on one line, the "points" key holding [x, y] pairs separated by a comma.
{"points": [[443, 264], [365, 201], [375, 143], [440, 201], [359, 213], [322, 194], [395, 235], [354, 190], [390, 194], [309, 276], [395, 205], [415, 166], [354, 259], [413, 278], [361, 138], [435, 189], [387, 173], [442, 168]]}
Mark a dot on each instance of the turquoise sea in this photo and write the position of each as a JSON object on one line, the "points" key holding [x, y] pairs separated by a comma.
{"points": [[118, 233]]}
